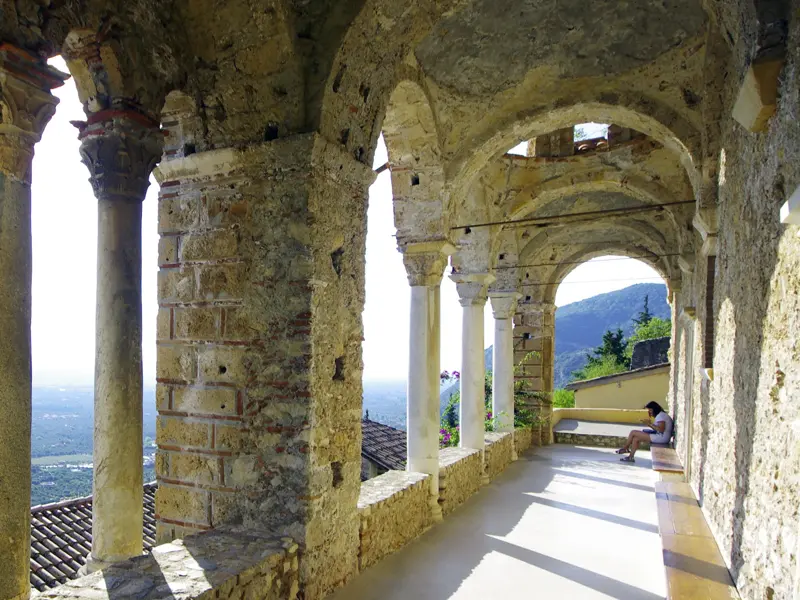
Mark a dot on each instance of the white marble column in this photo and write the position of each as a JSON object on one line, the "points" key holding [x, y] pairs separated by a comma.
{"points": [[425, 263], [472, 409], [504, 305]]}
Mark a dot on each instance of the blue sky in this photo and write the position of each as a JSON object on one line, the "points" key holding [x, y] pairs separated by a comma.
{"points": [[64, 262]]}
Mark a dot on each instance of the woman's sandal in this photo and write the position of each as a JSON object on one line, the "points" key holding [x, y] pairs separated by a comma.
{"points": [[621, 451], [627, 459]]}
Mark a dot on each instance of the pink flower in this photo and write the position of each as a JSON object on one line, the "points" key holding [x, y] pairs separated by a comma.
{"points": [[456, 375]]}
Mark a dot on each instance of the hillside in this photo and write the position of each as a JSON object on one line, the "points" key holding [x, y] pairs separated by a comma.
{"points": [[580, 325]]}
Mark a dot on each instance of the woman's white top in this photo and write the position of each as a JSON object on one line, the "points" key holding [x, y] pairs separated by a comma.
{"points": [[662, 438]]}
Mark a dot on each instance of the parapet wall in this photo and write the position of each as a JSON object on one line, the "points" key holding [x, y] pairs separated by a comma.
{"points": [[228, 563], [499, 453], [460, 474], [523, 437], [234, 562], [394, 509]]}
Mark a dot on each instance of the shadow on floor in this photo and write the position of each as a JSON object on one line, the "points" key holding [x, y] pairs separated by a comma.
{"points": [[439, 565]]}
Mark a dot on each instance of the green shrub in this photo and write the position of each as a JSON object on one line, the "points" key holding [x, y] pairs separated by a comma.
{"points": [[563, 399]]}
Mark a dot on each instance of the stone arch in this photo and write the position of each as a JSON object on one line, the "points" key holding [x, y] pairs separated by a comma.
{"points": [[418, 186], [656, 120], [638, 240], [615, 182], [541, 196], [366, 67], [584, 255]]}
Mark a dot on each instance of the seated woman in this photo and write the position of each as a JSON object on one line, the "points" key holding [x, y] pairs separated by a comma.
{"points": [[661, 428]]}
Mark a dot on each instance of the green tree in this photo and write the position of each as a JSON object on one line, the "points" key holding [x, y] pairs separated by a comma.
{"points": [[609, 357], [644, 315], [654, 328], [608, 365]]}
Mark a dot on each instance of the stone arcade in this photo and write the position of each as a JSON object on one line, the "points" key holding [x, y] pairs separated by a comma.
{"points": [[260, 119]]}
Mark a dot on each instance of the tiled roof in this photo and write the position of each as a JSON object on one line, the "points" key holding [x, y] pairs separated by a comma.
{"points": [[61, 533], [383, 445], [61, 537]]}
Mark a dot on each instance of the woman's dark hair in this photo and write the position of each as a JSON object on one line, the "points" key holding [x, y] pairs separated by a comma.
{"points": [[655, 407]]}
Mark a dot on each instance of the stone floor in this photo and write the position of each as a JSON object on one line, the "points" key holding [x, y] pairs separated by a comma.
{"points": [[560, 523]]}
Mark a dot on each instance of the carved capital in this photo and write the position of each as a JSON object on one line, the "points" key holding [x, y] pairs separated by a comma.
{"points": [[120, 151], [26, 106], [471, 287], [504, 304], [425, 262]]}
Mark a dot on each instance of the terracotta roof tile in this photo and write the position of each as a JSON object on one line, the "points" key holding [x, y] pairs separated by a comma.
{"points": [[61, 533], [383, 445], [61, 538]]}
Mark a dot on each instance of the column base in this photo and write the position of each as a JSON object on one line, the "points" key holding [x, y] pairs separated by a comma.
{"points": [[93, 564], [436, 510]]}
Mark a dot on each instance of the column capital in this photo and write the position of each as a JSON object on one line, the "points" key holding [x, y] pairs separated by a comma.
{"points": [[120, 149], [471, 287], [504, 304], [425, 261], [26, 106]]}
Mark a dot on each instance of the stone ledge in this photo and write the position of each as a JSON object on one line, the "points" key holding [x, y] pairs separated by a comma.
{"points": [[386, 487], [229, 562], [460, 474], [523, 439], [394, 508], [499, 453]]}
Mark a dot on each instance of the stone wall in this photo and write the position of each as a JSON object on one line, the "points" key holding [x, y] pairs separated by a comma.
{"points": [[460, 474], [522, 439], [599, 441], [394, 509], [261, 289], [499, 453], [229, 563], [740, 426], [650, 352]]}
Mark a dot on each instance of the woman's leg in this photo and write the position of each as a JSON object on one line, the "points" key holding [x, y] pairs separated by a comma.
{"points": [[628, 443], [636, 438]]}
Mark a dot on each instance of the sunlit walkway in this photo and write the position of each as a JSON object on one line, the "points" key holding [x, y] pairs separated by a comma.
{"points": [[561, 523]]}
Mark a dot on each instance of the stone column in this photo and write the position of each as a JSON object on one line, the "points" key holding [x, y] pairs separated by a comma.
{"points": [[534, 350], [261, 290], [472, 409], [120, 149], [425, 263], [504, 305], [26, 106]]}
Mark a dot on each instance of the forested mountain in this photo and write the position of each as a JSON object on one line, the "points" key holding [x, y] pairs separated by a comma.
{"points": [[580, 325]]}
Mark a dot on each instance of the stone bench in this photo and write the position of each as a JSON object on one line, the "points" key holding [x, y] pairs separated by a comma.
{"points": [[692, 560], [665, 459]]}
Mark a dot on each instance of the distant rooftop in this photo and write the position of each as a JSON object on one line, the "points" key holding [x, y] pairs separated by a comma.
{"points": [[61, 538], [61, 533], [383, 445]]}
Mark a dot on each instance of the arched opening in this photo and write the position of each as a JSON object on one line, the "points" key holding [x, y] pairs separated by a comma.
{"points": [[64, 229], [605, 295]]}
